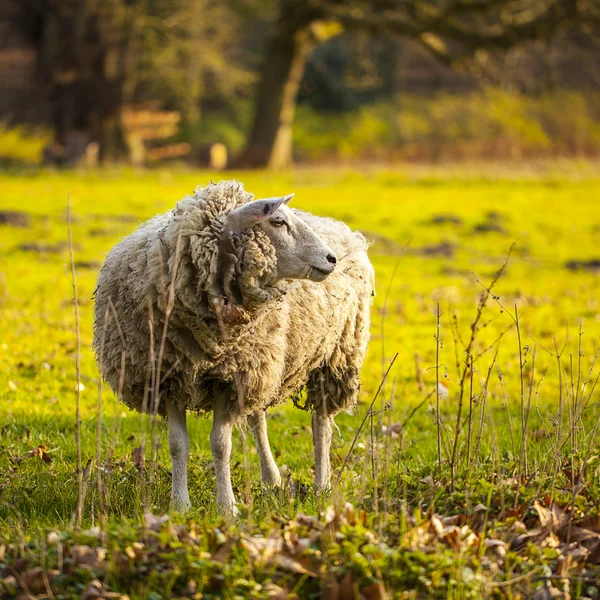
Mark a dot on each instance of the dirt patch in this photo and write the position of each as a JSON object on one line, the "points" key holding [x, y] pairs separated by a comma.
{"points": [[101, 231], [87, 264], [43, 248], [125, 218], [14, 218], [493, 223], [444, 249], [592, 265], [446, 219]]}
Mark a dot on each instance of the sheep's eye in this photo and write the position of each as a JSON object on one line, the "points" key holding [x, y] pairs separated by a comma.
{"points": [[277, 222]]}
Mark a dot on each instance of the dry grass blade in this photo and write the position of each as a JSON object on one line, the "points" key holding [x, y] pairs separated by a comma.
{"points": [[77, 368], [365, 419]]}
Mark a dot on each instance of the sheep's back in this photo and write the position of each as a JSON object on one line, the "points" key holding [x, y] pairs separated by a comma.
{"points": [[125, 304]]}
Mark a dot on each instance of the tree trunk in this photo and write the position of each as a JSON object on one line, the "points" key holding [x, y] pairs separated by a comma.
{"points": [[270, 143], [82, 54]]}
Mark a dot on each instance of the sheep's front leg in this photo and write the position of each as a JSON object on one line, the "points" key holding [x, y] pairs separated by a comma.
{"points": [[322, 431], [179, 447], [220, 446], [269, 471]]}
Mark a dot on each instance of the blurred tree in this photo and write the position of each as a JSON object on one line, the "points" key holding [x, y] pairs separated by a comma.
{"points": [[96, 56], [453, 31], [83, 60]]}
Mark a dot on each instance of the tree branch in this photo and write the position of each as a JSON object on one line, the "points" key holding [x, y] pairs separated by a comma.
{"points": [[422, 19]]}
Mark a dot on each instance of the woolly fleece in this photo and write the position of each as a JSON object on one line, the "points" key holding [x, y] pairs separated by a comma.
{"points": [[156, 283]]}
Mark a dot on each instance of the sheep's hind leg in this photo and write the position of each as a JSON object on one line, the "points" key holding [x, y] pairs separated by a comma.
{"points": [[179, 446], [220, 446], [322, 433], [269, 471]]}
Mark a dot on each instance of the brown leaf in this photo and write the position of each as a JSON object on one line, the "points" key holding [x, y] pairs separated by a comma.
{"points": [[37, 579], [275, 592], [40, 452], [155, 522], [585, 537], [594, 557], [376, 591], [437, 526], [498, 547], [547, 592], [520, 540], [270, 551], [262, 548], [93, 590], [341, 590], [576, 553], [121, 564], [223, 552], [88, 557], [303, 566], [454, 520]]}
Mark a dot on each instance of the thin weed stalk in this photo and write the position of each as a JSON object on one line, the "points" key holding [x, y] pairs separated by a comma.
{"points": [[79, 510], [470, 425], [438, 416], [99, 482], [487, 292], [362, 424], [506, 406], [523, 449], [559, 420], [484, 396]]}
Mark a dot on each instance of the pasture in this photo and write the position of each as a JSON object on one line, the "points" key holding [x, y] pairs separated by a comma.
{"points": [[507, 503]]}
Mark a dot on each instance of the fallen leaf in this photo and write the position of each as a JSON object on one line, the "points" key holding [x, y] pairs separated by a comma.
{"points": [[341, 590], [223, 553], [37, 579], [155, 522], [88, 557], [498, 547], [303, 566], [376, 591], [275, 592], [40, 452], [93, 590]]}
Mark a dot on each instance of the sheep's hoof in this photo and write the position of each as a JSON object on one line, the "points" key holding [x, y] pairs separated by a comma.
{"points": [[272, 480], [323, 489], [229, 511], [181, 505]]}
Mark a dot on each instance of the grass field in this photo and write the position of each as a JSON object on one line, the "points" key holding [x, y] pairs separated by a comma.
{"points": [[440, 238]]}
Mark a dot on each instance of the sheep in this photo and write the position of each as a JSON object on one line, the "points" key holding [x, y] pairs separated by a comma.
{"points": [[234, 305]]}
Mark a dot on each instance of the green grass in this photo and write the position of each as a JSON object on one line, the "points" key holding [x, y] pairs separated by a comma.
{"points": [[550, 216]]}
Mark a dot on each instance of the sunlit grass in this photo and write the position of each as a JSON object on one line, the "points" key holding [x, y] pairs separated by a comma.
{"points": [[444, 234]]}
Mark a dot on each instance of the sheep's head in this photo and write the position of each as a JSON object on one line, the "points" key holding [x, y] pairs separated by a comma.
{"points": [[263, 245]]}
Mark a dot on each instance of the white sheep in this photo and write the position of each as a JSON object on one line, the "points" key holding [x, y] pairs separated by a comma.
{"points": [[230, 305]]}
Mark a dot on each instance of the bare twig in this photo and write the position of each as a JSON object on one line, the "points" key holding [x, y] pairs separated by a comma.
{"points": [[362, 424]]}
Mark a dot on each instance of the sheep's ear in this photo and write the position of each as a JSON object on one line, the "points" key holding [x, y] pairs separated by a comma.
{"points": [[253, 213]]}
